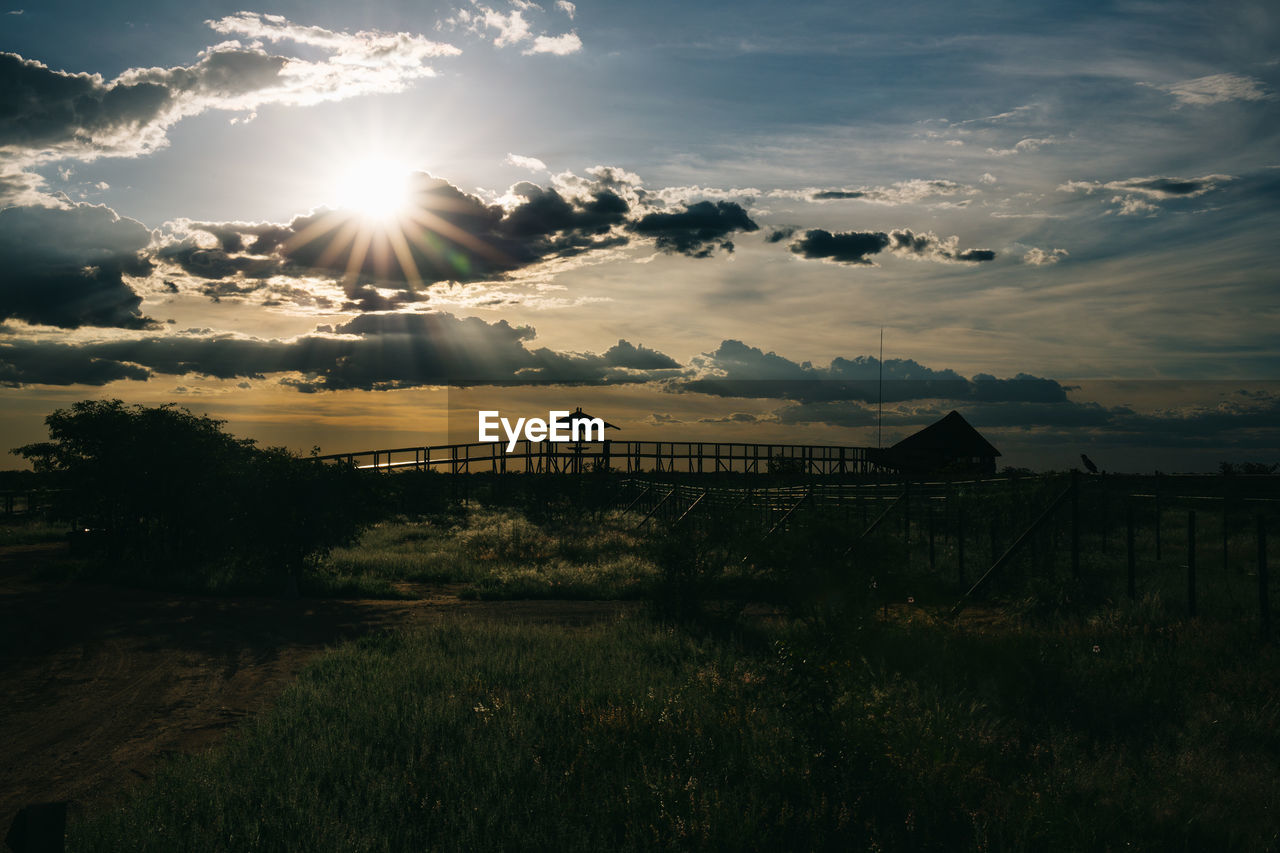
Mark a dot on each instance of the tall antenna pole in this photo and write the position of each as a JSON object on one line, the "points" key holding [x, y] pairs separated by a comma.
{"points": [[880, 396]]}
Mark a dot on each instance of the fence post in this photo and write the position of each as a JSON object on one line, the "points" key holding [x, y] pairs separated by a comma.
{"points": [[906, 523], [1128, 537], [1224, 532], [1264, 605], [932, 564], [1104, 516], [1191, 562], [960, 541], [1075, 522], [1158, 557]]}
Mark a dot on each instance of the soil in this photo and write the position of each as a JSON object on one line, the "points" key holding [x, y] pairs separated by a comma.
{"points": [[98, 683]]}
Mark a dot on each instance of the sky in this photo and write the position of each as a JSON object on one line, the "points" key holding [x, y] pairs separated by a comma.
{"points": [[321, 222]]}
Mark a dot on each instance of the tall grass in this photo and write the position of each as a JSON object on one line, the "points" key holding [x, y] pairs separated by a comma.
{"points": [[1099, 734], [499, 553]]}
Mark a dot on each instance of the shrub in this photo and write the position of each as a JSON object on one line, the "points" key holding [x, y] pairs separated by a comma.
{"points": [[167, 488]]}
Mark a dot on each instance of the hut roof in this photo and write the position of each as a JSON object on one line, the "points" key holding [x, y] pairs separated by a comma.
{"points": [[952, 435]]}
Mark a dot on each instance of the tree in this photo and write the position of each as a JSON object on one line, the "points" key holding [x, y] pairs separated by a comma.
{"points": [[173, 490]]}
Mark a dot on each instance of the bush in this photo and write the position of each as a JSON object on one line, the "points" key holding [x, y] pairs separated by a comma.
{"points": [[169, 489]]}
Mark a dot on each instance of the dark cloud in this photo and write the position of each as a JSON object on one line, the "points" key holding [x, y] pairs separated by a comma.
{"points": [[66, 266], [735, 418], [777, 235], [1168, 186], [626, 354], [850, 247], [830, 195], [903, 192], [445, 235], [371, 352], [26, 362], [738, 370], [1255, 424], [696, 230], [856, 247], [1152, 187], [40, 107]]}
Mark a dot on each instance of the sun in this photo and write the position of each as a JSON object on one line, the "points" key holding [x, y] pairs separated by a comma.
{"points": [[376, 188]]}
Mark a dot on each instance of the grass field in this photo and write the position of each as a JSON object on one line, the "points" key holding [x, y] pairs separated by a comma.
{"points": [[785, 700], [904, 734]]}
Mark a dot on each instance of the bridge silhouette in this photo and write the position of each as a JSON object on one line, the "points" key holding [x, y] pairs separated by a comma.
{"points": [[622, 456]]}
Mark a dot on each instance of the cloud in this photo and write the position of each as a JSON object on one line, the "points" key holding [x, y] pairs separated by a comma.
{"points": [[513, 28], [696, 230], [533, 164], [66, 266], [561, 45], [29, 362], [902, 192], [736, 418], [50, 115], [1039, 257], [850, 247], [1215, 89], [446, 235], [568, 8], [856, 247], [1133, 206], [1134, 196], [1165, 188], [1016, 112], [741, 371], [1232, 424], [1154, 186], [1023, 146], [370, 352]]}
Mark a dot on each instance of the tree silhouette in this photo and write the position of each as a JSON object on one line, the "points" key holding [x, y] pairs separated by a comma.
{"points": [[172, 489]]}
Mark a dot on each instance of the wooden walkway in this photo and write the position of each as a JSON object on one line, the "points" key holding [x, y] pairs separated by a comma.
{"points": [[628, 457]]}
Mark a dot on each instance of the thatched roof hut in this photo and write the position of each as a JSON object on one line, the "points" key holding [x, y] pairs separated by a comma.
{"points": [[950, 446]]}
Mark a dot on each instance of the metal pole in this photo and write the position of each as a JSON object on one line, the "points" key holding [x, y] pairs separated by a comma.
{"points": [[1191, 563], [1130, 551]]}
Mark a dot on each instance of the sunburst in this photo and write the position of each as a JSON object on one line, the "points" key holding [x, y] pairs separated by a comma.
{"points": [[390, 223]]}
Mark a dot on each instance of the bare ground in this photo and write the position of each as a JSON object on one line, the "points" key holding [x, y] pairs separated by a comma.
{"points": [[99, 683]]}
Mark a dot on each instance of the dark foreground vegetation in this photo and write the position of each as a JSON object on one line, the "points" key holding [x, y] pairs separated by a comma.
{"points": [[1098, 733], [778, 691]]}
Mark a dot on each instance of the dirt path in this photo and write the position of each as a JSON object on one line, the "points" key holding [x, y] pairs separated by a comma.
{"points": [[99, 683]]}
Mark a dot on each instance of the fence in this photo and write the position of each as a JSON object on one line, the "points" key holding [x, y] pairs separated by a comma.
{"points": [[1201, 540]]}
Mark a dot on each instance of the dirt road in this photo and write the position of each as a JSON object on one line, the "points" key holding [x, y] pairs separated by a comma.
{"points": [[99, 683]]}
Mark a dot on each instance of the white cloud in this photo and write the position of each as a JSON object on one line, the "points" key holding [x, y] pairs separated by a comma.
{"points": [[1215, 89], [568, 8], [85, 116], [514, 28], [1133, 206], [556, 45], [1023, 146], [988, 178], [1040, 257], [533, 164]]}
